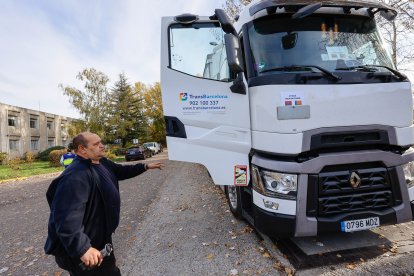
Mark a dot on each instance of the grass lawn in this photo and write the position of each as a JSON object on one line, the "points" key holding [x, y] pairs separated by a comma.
{"points": [[37, 167]]}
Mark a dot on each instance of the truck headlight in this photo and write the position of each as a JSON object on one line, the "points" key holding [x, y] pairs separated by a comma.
{"points": [[275, 184], [409, 173]]}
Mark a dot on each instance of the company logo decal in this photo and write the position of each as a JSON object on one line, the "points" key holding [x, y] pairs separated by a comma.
{"points": [[183, 96]]}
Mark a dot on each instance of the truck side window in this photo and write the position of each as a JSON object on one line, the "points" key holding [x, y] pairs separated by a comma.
{"points": [[199, 50]]}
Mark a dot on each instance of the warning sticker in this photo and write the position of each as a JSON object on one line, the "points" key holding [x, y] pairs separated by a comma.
{"points": [[240, 175]]}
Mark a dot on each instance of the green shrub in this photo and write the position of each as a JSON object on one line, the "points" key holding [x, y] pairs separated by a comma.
{"points": [[44, 155], [54, 157], [110, 155], [3, 157], [119, 151]]}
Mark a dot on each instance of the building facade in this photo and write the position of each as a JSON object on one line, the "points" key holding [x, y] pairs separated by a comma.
{"points": [[24, 130]]}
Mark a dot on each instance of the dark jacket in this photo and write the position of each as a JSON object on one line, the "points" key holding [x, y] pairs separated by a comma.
{"points": [[77, 210]]}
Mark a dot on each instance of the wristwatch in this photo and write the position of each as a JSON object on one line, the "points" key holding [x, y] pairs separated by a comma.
{"points": [[146, 167]]}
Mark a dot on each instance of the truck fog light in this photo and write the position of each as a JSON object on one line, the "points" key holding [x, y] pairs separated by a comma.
{"points": [[409, 173], [270, 205]]}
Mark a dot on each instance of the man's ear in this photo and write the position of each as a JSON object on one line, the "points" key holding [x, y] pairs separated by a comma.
{"points": [[82, 149]]}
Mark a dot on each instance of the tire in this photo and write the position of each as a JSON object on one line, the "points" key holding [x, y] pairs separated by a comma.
{"points": [[233, 195], [127, 159]]}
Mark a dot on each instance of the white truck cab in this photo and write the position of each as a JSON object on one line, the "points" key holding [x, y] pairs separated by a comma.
{"points": [[297, 109]]}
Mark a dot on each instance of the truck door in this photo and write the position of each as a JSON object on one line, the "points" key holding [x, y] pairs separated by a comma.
{"points": [[206, 122]]}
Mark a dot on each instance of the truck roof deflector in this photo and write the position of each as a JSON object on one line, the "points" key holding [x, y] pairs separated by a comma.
{"points": [[271, 5]]}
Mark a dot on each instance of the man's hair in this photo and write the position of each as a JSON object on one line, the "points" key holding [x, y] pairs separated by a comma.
{"points": [[80, 140]]}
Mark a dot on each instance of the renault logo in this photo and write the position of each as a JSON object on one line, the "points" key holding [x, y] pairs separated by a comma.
{"points": [[355, 180]]}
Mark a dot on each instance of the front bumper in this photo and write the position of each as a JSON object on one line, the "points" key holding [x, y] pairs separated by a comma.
{"points": [[277, 225]]}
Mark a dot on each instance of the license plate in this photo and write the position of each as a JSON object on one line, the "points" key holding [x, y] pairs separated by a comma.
{"points": [[359, 224]]}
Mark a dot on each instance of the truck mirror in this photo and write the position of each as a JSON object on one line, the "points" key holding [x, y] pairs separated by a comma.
{"points": [[233, 52], [289, 41], [389, 15], [225, 22]]}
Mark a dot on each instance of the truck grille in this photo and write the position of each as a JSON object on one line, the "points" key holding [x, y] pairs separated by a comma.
{"points": [[336, 194], [338, 182], [357, 202]]}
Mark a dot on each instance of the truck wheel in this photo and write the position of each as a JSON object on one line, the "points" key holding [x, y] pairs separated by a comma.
{"points": [[233, 195]]}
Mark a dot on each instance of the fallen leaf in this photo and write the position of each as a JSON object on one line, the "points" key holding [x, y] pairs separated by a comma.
{"points": [[288, 271], [266, 255], [279, 266], [210, 256], [350, 266]]}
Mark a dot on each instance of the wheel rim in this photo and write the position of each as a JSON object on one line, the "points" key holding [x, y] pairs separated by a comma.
{"points": [[232, 192]]}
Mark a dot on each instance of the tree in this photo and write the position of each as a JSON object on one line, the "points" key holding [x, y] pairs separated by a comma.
{"points": [[124, 107], [398, 33], [234, 7], [142, 119], [153, 110], [92, 101]]}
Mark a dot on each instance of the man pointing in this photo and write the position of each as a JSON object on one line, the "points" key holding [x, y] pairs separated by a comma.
{"points": [[85, 208]]}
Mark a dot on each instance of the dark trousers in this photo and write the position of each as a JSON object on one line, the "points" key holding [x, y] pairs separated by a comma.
{"points": [[107, 268]]}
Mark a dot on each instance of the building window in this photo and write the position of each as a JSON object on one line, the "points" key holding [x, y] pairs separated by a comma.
{"points": [[14, 144], [34, 144], [49, 125], [50, 143], [13, 121], [33, 123]]}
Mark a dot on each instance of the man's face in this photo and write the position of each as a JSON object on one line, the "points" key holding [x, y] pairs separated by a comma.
{"points": [[94, 150]]}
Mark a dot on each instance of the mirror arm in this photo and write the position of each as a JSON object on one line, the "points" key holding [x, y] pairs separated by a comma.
{"points": [[238, 86]]}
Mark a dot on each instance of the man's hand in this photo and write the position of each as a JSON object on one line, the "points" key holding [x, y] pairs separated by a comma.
{"points": [[92, 257], [157, 165]]}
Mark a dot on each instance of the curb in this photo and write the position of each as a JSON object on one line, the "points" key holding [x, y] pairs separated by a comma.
{"points": [[277, 255]]}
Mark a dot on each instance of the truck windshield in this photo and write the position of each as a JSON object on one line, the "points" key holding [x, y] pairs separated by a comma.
{"points": [[332, 42]]}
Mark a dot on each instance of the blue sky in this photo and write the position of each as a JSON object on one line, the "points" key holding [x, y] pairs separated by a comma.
{"points": [[45, 43]]}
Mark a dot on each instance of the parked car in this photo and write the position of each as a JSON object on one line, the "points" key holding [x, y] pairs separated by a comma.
{"points": [[153, 146], [137, 152]]}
